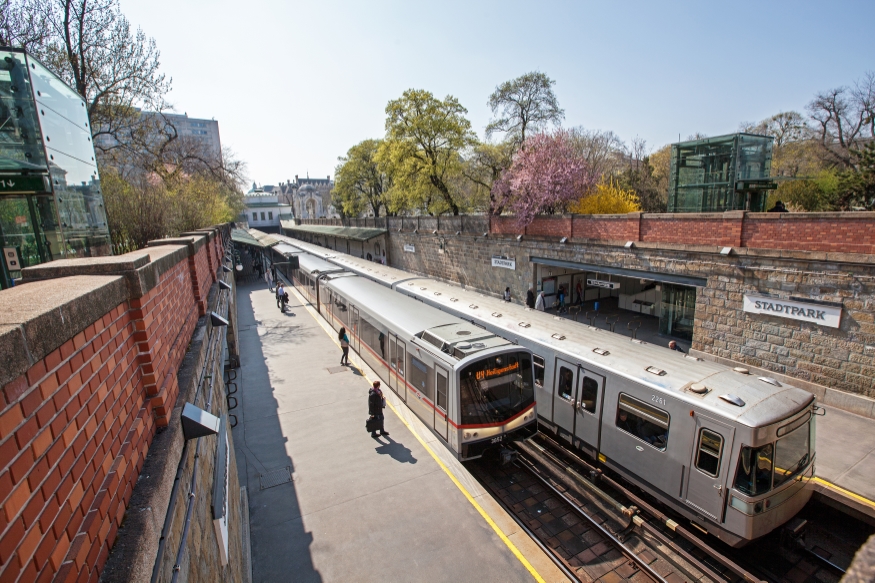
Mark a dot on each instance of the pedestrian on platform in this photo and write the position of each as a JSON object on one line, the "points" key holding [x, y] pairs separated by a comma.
{"points": [[561, 300], [284, 300], [579, 291], [540, 304], [672, 345], [344, 345], [530, 298], [507, 294], [268, 276], [376, 404], [280, 290]]}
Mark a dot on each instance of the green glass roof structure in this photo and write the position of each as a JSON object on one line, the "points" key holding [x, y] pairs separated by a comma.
{"points": [[719, 174], [352, 233]]}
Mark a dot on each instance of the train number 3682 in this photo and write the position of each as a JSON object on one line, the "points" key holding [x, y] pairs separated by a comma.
{"points": [[496, 439], [658, 400]]}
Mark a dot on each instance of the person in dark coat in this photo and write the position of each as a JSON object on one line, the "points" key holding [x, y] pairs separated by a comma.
{"points": [[778, 208], [375, 407], [530, 298]]}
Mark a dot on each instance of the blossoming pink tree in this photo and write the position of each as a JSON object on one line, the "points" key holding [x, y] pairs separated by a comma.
{"points": [[546, 175]]}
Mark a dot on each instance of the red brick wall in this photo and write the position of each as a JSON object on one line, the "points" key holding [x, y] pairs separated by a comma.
{"points": [[836, 232], [76, 426], [74, 431]]}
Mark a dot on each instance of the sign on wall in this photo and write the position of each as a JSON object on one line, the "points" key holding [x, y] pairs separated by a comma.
{"points": [[505, 262], [603, 283], [11, 256], [830, 316], [409, 249]]}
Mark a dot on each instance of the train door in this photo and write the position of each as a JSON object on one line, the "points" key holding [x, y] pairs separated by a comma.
{"points": [[441, 414], [706, 481], [564, 397], [354, 324], [590, 391]]}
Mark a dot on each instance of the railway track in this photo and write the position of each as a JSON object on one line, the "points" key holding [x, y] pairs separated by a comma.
{"points": [[596, 528]]}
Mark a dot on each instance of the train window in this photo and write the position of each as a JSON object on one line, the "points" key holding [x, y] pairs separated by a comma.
{"points": [[539, 370], [340, 309], [441, 391], [643, 421], [791, 454], [400, 360], [421, 377], [566, 383], [754, 475], [589, 393], [372, 335], [710, 449], [496, 388]]}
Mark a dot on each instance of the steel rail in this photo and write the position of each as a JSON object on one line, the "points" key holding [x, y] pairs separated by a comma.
{"points": [[636, 519], [660, 516], [625, 550]]}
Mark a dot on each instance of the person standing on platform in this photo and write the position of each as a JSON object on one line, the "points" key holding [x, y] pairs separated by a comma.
{"points": [[561, 299], [284, 300], [268, 276], [344, 345], [376, 403], [507, 294], [579, 290], [530, 298], [280, 290], [540, 304]]}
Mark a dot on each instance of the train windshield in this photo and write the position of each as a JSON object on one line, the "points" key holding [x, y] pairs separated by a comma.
{"points": [[783, 459], [496, 388]]}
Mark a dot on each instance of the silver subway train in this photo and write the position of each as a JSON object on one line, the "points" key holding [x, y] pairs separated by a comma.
{"points": [[732, 452], [474, 389]]}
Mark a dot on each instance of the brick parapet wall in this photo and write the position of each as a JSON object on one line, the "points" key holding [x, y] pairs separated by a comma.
{"points": [[89, 351], [824, 232]]}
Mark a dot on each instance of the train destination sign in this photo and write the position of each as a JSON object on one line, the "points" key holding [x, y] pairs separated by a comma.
{"points": [[491, 372], [603, 283], [504, 262], [830, 316]]}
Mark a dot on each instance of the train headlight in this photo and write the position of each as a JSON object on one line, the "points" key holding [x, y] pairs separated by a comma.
{"points": [[758, 507], [467, 435]]}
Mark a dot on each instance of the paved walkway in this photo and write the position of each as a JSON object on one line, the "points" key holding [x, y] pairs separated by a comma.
{"points": [[356, 509]]}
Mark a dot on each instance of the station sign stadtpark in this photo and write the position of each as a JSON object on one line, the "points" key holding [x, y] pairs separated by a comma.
{"points": [[505, 262], [821, 314]]}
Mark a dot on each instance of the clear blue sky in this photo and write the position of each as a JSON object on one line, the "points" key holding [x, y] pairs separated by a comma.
{"points": [[295, 84]]}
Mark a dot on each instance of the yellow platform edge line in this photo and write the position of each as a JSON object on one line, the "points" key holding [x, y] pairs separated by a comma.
{"points": [[847, 493], [516, 552]]}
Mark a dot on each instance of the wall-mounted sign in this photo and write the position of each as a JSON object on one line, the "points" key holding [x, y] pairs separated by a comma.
{"points": [[409, 249], [10, 254], [603, 283], [506, 263], [12, 184], [220, 491], [795, 310]]}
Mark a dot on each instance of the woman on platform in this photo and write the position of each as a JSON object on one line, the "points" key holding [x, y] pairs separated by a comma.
{"points": [[344, 345]]}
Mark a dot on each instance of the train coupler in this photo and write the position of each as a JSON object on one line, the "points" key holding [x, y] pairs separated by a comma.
{"points": [[507, 456]]}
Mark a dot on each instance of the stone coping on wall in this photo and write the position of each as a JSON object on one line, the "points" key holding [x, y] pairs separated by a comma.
{"points": [[858, 404]]}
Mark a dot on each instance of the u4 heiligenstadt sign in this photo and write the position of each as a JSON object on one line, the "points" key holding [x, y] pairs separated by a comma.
{"points": [[830, 316]]}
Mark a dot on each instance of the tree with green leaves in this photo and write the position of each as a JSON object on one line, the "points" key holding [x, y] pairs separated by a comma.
{"points": [[358, 181], [483, 166], [425, 139], [524, 105]]}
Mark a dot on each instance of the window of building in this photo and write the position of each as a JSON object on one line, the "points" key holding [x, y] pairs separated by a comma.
{"points": [[269, 215], [643, 421], [539, 370], [262, 216], [254, 216]]}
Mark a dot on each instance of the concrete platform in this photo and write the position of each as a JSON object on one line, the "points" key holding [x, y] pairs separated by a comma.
{"points": [[845, 462], [356, 509]]}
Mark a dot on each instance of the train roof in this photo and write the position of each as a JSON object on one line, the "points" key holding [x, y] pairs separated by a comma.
{"points": [[672, 372], [416, 319], [285, 249], [314, 265]]}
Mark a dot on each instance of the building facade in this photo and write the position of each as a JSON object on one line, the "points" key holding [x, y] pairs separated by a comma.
{"points": [[262, 209], [310, 198], [51, 205]]}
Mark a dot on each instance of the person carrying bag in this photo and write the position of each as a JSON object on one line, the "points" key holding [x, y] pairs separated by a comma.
{"points": [[376, 403]]}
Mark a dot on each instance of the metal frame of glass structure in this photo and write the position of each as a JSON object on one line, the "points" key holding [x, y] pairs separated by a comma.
{"points": [[51, 206], [719, 174]]}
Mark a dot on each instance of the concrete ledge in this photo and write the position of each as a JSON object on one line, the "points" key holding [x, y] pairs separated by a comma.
{"points": [[862, 569], [38, 317], [857, 404], [193, 243]]}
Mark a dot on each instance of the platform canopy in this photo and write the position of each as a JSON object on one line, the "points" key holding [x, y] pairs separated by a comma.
{"points": [[243, 237], [352, 233]]}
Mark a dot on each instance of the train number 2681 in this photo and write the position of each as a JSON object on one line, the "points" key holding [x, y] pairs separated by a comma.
{"points": [[658, 400]]}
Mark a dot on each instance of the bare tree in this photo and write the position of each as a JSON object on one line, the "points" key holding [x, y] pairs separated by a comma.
{"points": [[845, 117], [526, 103], [602, 150], [785, 127], [23, 23]]}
